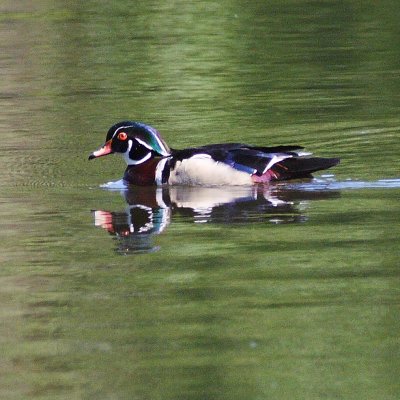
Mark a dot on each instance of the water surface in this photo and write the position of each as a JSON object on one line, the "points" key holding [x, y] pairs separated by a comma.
{"points": [[286, 291]]}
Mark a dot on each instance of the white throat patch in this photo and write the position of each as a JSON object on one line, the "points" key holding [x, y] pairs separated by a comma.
{"points": [[129, 161]]}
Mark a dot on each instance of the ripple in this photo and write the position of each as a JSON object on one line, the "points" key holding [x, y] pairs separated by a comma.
{"points": [[325, 183], [115, 185], [328, 184]]}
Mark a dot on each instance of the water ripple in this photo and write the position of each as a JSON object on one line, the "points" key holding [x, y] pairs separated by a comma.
{"points": [[327, 184]]}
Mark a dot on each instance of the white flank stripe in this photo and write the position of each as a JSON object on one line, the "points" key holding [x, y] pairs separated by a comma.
{"points": [[159, 171], [275, 159]]}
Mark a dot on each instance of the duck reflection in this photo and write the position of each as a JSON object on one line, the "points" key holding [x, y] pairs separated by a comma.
{"points": [[151, 209]]}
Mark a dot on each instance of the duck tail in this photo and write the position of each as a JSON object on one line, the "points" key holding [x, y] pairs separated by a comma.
{"points": [[295, 168], [299, 167]]}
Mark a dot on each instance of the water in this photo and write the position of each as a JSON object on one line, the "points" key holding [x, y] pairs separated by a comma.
{"points": [[286, 291]]}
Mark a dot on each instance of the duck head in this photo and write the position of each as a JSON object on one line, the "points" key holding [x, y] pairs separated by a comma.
{"points": [[136, 142]]}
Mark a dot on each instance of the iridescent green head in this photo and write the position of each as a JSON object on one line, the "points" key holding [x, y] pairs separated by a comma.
{"points": [[136, 141]]}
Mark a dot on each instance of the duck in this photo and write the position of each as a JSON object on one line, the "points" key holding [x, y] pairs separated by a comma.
{"points": [[150, 161]]}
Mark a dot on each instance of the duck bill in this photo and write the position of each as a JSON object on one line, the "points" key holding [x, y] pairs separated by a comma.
{"points": [[103, 151]]}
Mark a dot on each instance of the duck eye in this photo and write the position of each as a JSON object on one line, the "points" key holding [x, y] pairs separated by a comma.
{"points": [[122, 136]]}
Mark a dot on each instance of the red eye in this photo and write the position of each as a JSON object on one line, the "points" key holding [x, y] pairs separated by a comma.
{"points": [[122, 136]]}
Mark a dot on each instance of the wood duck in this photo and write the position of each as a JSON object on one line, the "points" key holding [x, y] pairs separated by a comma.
{"points": [[151, 162]]}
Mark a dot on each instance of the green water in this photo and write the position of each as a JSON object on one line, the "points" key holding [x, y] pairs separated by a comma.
{"points": [[286, 292]]}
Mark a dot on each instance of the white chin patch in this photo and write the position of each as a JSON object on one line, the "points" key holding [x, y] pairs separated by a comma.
{"points": [[129, 161]]}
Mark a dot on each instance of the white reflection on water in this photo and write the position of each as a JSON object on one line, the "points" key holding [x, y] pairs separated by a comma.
{"points": [[149, 210]]}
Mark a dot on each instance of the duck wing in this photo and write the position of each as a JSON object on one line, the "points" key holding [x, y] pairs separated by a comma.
{"points": [[243, 157], [278, 162]]}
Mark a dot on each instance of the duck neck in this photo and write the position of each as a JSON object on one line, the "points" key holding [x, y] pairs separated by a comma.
{"points": [[143, 174]]}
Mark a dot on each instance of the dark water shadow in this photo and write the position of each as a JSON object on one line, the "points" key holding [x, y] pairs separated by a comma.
{"points": [[150, 210]]}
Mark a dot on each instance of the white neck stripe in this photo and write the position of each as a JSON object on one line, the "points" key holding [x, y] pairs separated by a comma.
{"points": [[129, 161]]}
